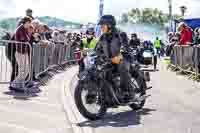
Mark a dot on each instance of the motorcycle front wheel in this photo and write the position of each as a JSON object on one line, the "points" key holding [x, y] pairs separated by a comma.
{"points": [[90, 101]]}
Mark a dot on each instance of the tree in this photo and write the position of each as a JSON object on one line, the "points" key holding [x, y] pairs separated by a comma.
{"points": [[147, 16], [5, 25], [124, 18]]}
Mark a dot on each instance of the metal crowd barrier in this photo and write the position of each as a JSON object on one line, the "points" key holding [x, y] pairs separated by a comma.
{"points": [[16, 67], [50, 55], [15, 63], [186, 58]]}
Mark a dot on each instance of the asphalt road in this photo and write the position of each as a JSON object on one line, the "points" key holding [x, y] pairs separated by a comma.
{"points": [[172, 108]]}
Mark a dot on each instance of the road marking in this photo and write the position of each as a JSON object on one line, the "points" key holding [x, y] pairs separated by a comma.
{"points": [[74, 108], [70, 108], [20, 127], [68, 111]]}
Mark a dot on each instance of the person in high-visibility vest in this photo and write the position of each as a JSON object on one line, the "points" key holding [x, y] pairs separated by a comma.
{"points": [[157, 46], [90, 41], [87, 43]]}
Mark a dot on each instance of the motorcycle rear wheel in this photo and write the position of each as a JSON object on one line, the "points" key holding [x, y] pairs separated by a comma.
{"points": [[141, 83]]}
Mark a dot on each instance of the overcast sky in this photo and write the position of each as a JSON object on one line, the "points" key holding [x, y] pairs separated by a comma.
{"points": [[87, 10]]}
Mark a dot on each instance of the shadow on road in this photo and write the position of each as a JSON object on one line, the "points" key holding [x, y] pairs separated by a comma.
{"points": [[123, 119], [150, 70], [20, 96]]}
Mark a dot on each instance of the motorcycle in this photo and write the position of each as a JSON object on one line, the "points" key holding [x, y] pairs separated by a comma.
{"points": [[98, 88], [148, 58]]}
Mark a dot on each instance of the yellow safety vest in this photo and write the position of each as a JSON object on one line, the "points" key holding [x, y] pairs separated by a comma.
{"points": [[92, 44], [157, 44]]}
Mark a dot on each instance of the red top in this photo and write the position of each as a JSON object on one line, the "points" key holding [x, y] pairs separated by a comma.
{"points": [[22, 36], [186, 36]]}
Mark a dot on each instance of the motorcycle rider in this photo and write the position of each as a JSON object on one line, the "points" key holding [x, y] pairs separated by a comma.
{"points": [[89, 42], [135, 41], [147, 45], [109, 45], [124, 38]]}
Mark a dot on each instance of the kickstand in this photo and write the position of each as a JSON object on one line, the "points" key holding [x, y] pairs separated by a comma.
{"points": [[149, 88]]}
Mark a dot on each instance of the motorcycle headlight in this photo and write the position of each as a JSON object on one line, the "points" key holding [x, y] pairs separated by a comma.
{"points": [[99, 67], [147, 54], [83, 75], [89, 62]]}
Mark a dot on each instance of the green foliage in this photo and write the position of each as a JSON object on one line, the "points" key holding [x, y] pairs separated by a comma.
{"points": [[55, 22], [11, 23], [8, 24], [124, 18], [146, 16], [4, 25]]}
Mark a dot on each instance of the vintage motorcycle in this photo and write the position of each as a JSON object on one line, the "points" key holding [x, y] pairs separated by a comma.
{"points": [[98, 88]]}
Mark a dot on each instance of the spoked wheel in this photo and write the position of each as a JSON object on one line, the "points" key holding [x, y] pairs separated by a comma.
{"points": [[90, 101], [140, 84]]}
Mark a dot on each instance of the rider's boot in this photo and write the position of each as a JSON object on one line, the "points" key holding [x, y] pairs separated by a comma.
{"points": [[128, 96]]}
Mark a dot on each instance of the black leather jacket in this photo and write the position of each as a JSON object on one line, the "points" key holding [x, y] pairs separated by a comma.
{"points": [[109, 44], [134, 43]]}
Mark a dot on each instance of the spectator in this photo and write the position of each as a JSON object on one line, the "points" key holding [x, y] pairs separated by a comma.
{"points": [[10, 53], [29, 13], [44, 32], [197, 36], [47, 32], [61, 37], [177, 37], [41, 31], [55, 36], [170, 36], [21, 54], [173, 41], [31, 32], [36, 24], [186, 34]]}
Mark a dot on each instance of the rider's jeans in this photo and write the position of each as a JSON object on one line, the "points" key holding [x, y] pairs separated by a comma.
{"points": [[123, 69]]}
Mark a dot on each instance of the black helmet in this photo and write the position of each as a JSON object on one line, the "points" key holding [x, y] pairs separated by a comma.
{"points": [[108, 19], [90, 31], [133, 35], [29, 10], [123, 35]]}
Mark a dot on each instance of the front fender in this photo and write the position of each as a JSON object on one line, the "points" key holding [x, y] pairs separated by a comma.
{"points": [[83, 75]]}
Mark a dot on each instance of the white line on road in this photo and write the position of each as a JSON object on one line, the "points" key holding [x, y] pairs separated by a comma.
{"points": [[69, 105]]}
